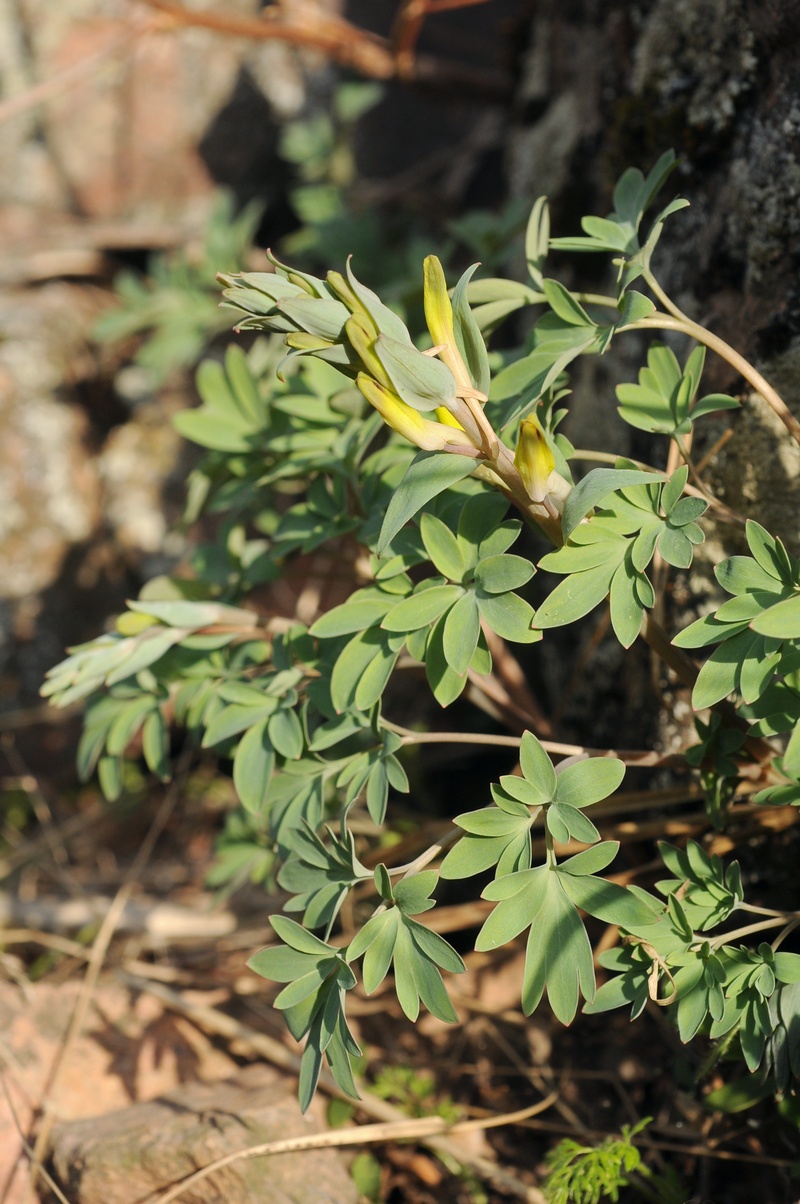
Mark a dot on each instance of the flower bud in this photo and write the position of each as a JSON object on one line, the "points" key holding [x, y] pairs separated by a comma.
{"points": [[533, 459]]}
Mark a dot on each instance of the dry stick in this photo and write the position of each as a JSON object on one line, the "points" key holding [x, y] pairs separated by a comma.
{"points": [[398, 1130], [306, 25], [274, 1051], [714, 450], [27, 1147], [98, 955], [405, 33]]}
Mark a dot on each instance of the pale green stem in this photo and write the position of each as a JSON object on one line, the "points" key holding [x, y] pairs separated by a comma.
{"points": [[410, 737], [585, 453], [597, 299], [748, 930], [430, 854], [767, 911], [549, 846], [782, 935], [666, 301]]}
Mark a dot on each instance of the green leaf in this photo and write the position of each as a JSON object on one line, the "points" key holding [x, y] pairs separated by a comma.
{"points": [[253, 764], [769, 553], [738, 1095], [499, 574], [428, 475], [591, 861], [421, 381], [509, 616], [537, 768], [565, 822], [442, 547], [155, 745], [537, 239], [596, 486], [286, 734], [589, 781], [354, 615], [558, 956], [469, 339], [625, 608], [127, 723], [719, 676], [564, 305], [462, 628], [607, 901], [421, 608], [520, 898], [354, 661], [445, 683], [236, 718], [781, 621], [579, 593]]}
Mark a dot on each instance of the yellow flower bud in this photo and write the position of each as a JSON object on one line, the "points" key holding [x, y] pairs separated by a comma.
{"points": [[439, 317], [408, 422], [533, 459]]}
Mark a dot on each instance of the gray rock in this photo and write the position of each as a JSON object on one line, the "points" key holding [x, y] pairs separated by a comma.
{"points": [[123, 1157]]}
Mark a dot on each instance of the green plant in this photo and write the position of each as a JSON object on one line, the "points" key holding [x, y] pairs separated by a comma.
{"points": [[403, 461], [585, 1174]]}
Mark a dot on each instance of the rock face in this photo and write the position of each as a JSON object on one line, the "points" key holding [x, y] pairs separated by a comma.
{"points": [[122, 1157], [607, 86]]}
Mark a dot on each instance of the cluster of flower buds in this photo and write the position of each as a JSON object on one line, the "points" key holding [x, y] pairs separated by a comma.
{"points": [[433, 398]]}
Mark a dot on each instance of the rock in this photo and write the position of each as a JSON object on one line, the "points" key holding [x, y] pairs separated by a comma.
{"points": [[49, 491], [131, 1049], [122, 1157]]}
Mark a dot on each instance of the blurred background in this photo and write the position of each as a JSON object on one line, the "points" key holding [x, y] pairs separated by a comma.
{"points": [[146, 145]]}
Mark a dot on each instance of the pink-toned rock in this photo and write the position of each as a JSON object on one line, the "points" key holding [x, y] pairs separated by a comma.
{"points": [[125, 1156], [130, 1050]]}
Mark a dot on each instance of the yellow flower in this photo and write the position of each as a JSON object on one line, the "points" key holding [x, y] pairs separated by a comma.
{"points": [[439, 316], [408, 422], [533, 459]]}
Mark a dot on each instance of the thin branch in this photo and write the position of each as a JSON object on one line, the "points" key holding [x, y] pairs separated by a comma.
{"points": [[307, 25], [398, 1130]]}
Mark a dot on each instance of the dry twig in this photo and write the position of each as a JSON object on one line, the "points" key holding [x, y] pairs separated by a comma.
{"points": [[97, 958]]}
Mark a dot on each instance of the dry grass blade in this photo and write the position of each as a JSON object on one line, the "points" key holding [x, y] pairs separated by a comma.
{"points": [[426, 1126], [97, 957], [27, 1147]]}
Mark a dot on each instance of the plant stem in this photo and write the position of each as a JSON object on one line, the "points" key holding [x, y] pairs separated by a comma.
{"points": [[748, 930], [767, 911], [428, 855], [782, 935]]}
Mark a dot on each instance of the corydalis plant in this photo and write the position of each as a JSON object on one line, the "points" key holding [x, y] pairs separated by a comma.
{"points": [[435, 399], [402, 463]]}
